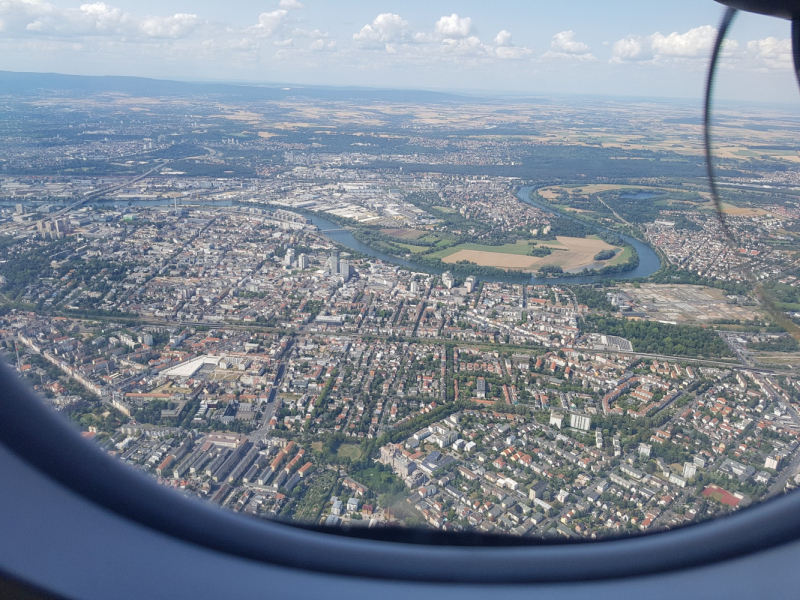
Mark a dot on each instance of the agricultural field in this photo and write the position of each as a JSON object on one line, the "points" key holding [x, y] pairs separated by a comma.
{"points": [[494, 259], [742, 211], [552, 192], [411, 248], [404, 234], [569, 253], [519, 249]]}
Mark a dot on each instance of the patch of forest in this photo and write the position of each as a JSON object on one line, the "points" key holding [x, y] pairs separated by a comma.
{"points": [[651, 337]]}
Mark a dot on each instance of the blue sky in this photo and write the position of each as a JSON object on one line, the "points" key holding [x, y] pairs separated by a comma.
{"points": [[622, 47]]}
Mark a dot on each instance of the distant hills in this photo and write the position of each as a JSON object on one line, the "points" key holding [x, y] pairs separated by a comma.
{"points": [[35, 84]]}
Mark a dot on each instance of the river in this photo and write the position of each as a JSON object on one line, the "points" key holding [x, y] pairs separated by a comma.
{"points": [[648, 260]]}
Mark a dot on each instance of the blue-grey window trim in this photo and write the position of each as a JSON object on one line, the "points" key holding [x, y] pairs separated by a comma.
{"points": [[45, 440]]}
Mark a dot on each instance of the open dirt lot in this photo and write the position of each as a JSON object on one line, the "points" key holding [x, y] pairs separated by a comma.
{"points": [[688, 303]]}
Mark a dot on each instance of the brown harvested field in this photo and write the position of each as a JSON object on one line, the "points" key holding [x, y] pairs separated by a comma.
{"points": [[243, 115], [742, 211], [405, 234], [579, 252]]}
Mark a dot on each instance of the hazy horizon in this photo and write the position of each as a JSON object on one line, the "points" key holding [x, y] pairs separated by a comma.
{"points": [[456, 94], [620, 49]]}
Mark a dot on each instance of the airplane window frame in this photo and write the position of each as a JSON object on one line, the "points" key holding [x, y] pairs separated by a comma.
{"points": [[46, 441]]}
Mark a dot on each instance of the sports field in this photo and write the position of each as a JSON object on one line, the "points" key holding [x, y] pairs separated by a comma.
{"points": [[351, 451]]}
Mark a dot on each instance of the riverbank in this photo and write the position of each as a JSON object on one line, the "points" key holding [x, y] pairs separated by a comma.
{"points": [[639, 259], [648, 261], [338, 232]]}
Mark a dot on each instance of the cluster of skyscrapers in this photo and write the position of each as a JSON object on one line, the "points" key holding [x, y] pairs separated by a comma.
{"points": [[335, 266], [301, 261]]}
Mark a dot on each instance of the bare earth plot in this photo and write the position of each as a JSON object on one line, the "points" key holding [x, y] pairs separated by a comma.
{"points": [[688, 303], [573, 253], [777, 358]]}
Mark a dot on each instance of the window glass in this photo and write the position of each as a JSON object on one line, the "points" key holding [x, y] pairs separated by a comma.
{"points": [[338, 265]]}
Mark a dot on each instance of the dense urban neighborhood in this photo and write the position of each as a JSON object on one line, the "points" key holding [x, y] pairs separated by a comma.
{"points": [[471, 318]]}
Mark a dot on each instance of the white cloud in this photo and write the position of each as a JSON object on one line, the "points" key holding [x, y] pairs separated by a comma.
{"points": [[565, 42], [270, 22], [512, 53], [505, 48], [179, 25], [471, 45], [629, 48], [503, 38], [563, 45], [453, 26], [771, 53], [320, 45], [320, 39], [316, 33], [451, 39], [94, 27], [89, 19], [99, 19], [695, 42], [386, 28], [100, 29], [694, 45]]}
